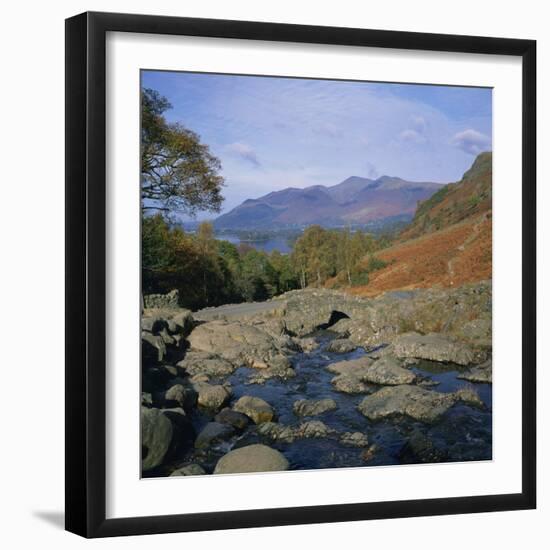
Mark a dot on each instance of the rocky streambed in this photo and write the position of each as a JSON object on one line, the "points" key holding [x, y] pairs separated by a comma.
{"points": [[237, 395]]}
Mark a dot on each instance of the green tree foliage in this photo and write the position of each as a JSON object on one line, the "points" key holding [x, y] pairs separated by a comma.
{"points": [[258, 277], [211, 272], [287, 278], [320, 254], [169, 260], [207, 271], [178, 172], [314, 256]]}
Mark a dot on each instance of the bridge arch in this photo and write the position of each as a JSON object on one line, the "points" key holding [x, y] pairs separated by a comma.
{"points": [[335, 316]]}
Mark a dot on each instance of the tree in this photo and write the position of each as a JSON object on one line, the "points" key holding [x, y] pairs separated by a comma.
{"points": [[229, 252], [178, 172], [299, 259], [259, 278], [207, 247], [286, 277], [314, 255], [206, 239], [170, 260], [344, 256]]}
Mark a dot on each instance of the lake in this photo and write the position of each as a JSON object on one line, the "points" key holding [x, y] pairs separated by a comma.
{"points": [[268, 245]]}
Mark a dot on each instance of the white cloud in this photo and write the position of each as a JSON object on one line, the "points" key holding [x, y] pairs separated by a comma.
{"points": [[471, 141], [244, 151], [412, 136], [372, 172], [418, 124], [416, 132]]}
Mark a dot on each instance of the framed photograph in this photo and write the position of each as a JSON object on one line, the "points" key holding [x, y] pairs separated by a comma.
{"points": [[300, 274]]}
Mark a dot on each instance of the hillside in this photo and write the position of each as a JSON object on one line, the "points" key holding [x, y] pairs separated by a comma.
{"points": [[470, 196], [355, 200], [449, 241]]}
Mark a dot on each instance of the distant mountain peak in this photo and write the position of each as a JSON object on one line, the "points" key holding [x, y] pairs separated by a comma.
{"points": [[353, 200]]}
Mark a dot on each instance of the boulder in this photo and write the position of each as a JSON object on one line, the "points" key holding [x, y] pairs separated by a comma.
{"points": [[420, 448], [203, 363], [415, 402], [308, 344], [255, 408], [163, 330], [478, 332], [189, 470], [199, 379], [167, 338], [387, 372], [354, 439], [289, 434], [469, 396], [341, 345], [238, 420], [211, 396], [313, 407], [278, 432], [153, 347], [173, 321], [253, 458], [146, 399], [181, 322], [156, 436], [433, 346], [153, 322], [480, 374], [355, 367], [314, 428], [347, 383], [289, 343], [239, 343], [182, 396], [183, 433], [278, 367], [212, 433]]}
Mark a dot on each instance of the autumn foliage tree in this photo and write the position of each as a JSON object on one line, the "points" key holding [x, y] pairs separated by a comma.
{"points": [[178, 172]]}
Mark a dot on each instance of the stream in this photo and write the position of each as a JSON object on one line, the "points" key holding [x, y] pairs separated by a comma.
{"points": [[463, 434]]}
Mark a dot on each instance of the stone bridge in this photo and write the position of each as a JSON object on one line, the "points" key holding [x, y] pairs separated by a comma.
{"points": [[311, 309]]}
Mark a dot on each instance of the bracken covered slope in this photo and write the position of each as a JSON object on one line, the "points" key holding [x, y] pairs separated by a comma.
{"points": [[449, 242]]}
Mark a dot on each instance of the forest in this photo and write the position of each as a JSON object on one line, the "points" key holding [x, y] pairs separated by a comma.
{"points": [[210, 272]]}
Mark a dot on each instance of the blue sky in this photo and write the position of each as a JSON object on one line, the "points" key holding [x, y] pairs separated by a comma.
{"points": [[271, 133]]}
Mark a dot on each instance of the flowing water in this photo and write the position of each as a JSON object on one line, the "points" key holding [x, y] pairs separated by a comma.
{"points": [[463, 433]]}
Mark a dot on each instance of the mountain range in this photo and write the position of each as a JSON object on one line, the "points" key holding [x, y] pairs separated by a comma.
{"points": [[355, 200]]}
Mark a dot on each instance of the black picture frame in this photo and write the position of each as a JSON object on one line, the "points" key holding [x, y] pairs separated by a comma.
{"points": [[86, 275]]}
